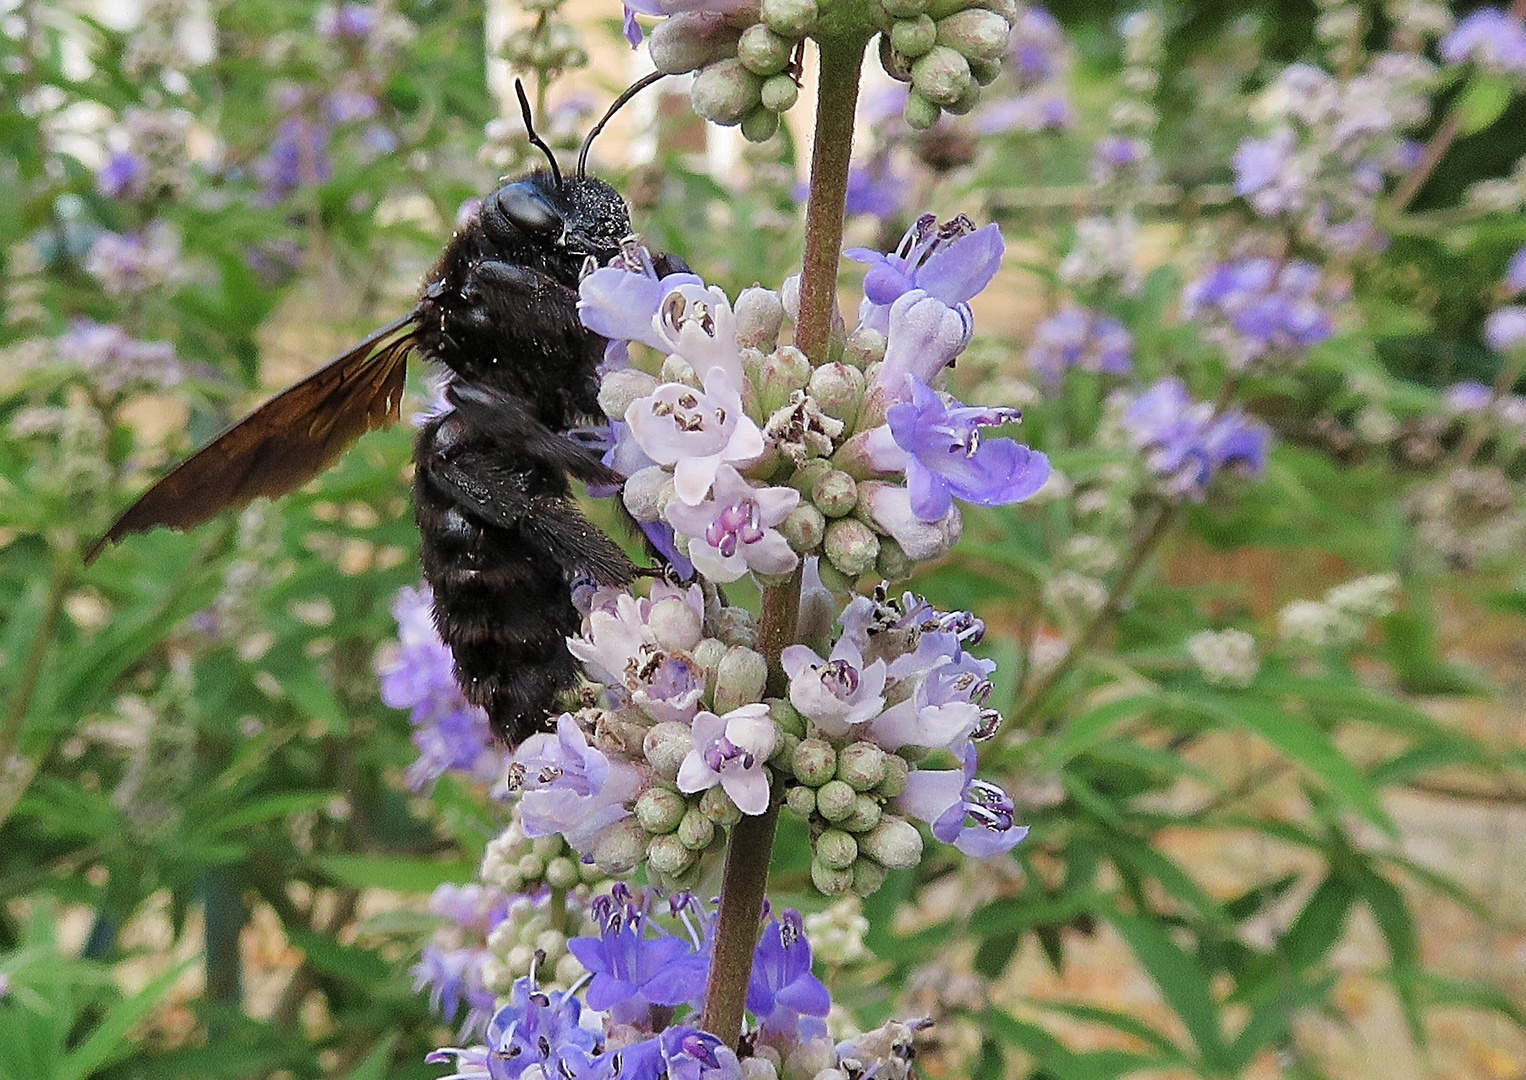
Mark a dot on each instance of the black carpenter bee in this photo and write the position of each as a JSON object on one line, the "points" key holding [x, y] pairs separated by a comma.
{"points": [[502, 543]]}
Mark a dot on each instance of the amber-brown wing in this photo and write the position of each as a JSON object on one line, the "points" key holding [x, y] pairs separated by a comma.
{"points": [[285, 442]]}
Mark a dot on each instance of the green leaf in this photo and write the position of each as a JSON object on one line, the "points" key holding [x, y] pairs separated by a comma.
{"points": [[358, 965], [109, 1041], [374, 1067], [1089, 729], [1182, 981], [392, 872], [1056, 1058], [275, 806], [1483, 101]]}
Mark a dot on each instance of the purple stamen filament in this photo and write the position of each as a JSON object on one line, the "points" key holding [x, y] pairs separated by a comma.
{"points": [[735, 525]]}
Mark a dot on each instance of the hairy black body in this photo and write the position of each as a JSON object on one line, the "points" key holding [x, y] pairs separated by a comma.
{"points": [[502, 543]]}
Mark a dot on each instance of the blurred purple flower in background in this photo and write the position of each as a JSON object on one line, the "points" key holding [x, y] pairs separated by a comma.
{"points": [[1186, 444], [1505, 328], [297, 157], [1490, 37], [1515, 273], [1259, 305], [1078, 337]]}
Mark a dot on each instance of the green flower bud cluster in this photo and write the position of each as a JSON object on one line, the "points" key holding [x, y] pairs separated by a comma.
{"points": [[840, 789], [517, 864], [946, 49], [527, 929], [547, 48], [681, 829]]}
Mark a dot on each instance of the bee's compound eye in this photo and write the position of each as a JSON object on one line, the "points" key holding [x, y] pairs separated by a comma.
{"points": [[519, 207]]}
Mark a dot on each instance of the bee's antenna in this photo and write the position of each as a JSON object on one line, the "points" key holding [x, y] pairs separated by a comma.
{"points": [[631, 91], [536, 140]]}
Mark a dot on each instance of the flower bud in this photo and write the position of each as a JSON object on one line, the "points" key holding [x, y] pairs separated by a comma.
{"points": [[815, 762], [894, 843], [647, 492], [868, 877], [967, 100], [561, 873], [531, 866], [674, 624], [838, 583], [739, 679], [813, 624], [696, 830], [861, 765], [896, 772], [898, 67], [802, 478], [865, 816], [830, 881], [837, 389], [762, 51], [940, 76], [893, 564], [678, 370], [804, 528], [757, 1068], [690, 40], [783, 713], [668, 854], [783, 757], [834, 800], [666, 746], [708, 653], [865, 346], [809, 1058], [716, 805], [784, 370], [737, 626], [761, 123], [725, 91], [903, 9], [780, 92], [659, 810], [919, 112], [759, 314], [851, 546], [836, 849], [835, 493], [801, 801], [984, 71], [974, 33], [913, 37], [790, 18], [619, 848], [620, 389]]}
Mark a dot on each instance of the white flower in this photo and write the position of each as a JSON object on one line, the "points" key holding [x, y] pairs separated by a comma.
{"points": [[732, 531], [730, 750], [838, 692], [695, 431]]}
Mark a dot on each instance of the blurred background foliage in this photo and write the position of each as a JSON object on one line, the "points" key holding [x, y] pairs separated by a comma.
{"points": [[210, 864]]}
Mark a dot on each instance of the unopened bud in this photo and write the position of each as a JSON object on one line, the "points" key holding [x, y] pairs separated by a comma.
{"points": [[838, 583], [785, 369], [919, 112], [666, 746], [967, 100], [716, 805], [674, 624], [832, 882], [804, 528], [974, 33], [940, 76], [984, 71], [865, 816], [836, 849], [893, 564], [868, 876], [668, 854], [759, 314], [783, 757], [531, 866], [725, 91], [834, 800], [561, 873], [801, 801], [737, 626], [675, 369], [865, 346], [696, 830], [690, 40], [816, 763], [813, 625], [896, 772], [761, 123], [913, 37], [784, 714], [620, 389], [763, 51], [809, 1058], [619, 848], [659, 810], [647, 492], [708, 653], [903, 9], [837, 388], [893, 843], [780, 92], [791, 18], [851, 546], [757, 1068], [739, 679], [835, 493], [861, 765]]}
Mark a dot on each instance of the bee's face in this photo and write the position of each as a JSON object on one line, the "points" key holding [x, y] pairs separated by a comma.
{"points": [[581, 217]]}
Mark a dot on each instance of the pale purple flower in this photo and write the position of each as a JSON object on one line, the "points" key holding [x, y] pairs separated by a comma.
{"points": [[1115, 154], [472, 906], [346, 106], [945, 455], [298, 157], [133, 263], [873, 188], [632, 970], [1078, 337], [889, 508], [696, 323], [1505, 328], [1260, 305], [974, 816], [1515, 272], [348, 20], [570, 787], [115, 361], [1029, 113], [837, 693], [730, 750], [619, 649], [1186, 444], [620, 301], [1493, 38], [1468, 396], [453, 977], [923, 335], [1271, 175], [733, 531], [1037, 46], [950, 262], [947, 706], [632, 29], [122, 176], [695, 431]]}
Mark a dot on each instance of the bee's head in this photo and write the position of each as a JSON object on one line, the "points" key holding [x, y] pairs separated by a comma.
{"points": [[567, 221]]}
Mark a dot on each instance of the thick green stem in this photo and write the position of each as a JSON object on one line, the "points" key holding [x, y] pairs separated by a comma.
{"points": [[752, 839]]}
